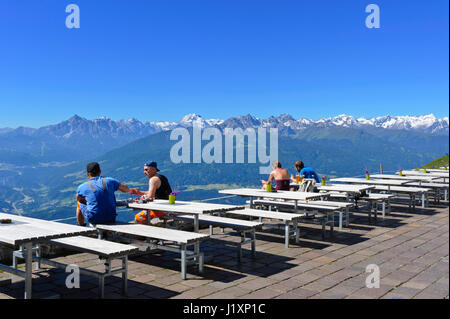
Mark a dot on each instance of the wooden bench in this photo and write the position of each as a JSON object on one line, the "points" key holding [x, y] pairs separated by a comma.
{"points": [[287, 218], [242, 226], [437, 187], [326, 213], [345, 209], [161, 238], [102, 248], [411, 191], [374, 199]]}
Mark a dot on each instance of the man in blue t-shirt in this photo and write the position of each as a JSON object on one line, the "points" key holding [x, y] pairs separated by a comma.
{"points": [[96, 201], [306, 172]]}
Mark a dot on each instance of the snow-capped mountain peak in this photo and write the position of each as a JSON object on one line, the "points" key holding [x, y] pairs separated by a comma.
{"points": [[285, 123]]}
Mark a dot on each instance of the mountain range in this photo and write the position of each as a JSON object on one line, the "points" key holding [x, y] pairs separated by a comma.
{"points": [[79, 139], [41, 168], [99, 127]]}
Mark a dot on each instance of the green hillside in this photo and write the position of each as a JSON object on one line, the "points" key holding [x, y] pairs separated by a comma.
{"points": [[442, 161]]}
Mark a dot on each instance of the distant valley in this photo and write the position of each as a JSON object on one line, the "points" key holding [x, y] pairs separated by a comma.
{"points": [[41, 168]]}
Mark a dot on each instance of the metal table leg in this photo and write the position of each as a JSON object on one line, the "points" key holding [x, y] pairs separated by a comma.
{"points": [[28, 269], [286, 234]]}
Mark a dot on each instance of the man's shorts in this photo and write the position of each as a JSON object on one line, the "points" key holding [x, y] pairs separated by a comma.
{"points": [[92, 219], [141, 217]]}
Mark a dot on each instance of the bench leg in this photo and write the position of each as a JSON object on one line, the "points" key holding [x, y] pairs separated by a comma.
{"points": [[332, 225], [347, 216], [383, 211], [101, 279], [253, 234], [340, 220], [323, 227], [423, 200], [222, 230], [101, 287], [201, 261], [28, 269], [125, 275], [183, 262], [15, 256], [239, 252], [297, 232], [286, 234]]}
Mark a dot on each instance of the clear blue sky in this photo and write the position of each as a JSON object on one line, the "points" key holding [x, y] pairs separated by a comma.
{"points": [[159, 60]]}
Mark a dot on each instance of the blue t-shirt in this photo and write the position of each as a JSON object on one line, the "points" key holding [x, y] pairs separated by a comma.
{"points": [[308, 172], [101, 204]]}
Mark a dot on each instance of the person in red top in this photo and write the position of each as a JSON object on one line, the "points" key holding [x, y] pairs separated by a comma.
{"points": [[280, 175]]}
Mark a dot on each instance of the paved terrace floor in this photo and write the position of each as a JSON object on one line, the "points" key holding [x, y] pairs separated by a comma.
{"points": [[410, 248]]}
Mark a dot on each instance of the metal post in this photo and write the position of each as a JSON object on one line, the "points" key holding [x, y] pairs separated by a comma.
{"points": [[28, 269], [253, 234], [423, 200], [196, 229], [183, 261], [125, 275], [201, 260], [101, 286], [286, 234], [240, 246], [297, 231], [20, 251], [332, 224], [347, 216]]}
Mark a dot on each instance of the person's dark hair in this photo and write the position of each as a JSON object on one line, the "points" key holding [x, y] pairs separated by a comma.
{"points": [[93, 168], [299, 164]]}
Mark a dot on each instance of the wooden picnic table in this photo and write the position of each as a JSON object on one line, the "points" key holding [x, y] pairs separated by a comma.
{"points": [[24, 232], [437, 187], [342, 188], [444, 175], [183, 208]]}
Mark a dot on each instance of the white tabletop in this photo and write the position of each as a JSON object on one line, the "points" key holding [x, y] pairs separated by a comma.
{"points": [[345, 188], [254, 192], [429, 185], [205, 207], [177, 208], [353, 180], [409, 177], [405, 189], [26, 229], [421, 173]]}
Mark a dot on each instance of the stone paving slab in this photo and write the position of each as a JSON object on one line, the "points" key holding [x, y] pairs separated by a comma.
{"points": [[410, 249]]}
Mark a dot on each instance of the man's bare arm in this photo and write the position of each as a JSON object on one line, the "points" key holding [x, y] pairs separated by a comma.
{"points": [[125, 189], [153, 184]]}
